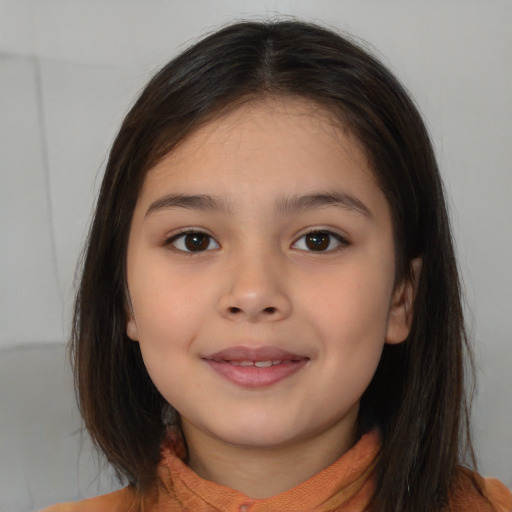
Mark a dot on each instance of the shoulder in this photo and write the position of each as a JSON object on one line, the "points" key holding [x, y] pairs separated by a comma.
{"points": [[118, 501], [498, 494], [474, 493]]}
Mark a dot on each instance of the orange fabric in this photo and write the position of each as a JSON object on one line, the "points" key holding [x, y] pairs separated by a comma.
{"points": [[118, 501], [466, 497], [345, 486]]}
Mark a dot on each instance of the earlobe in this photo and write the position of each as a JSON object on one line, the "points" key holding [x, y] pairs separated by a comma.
{"points": [[131, 328], [131, 325], [402, 307]]}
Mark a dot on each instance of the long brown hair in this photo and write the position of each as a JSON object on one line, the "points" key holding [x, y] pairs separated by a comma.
{"points": [[417, 396]]}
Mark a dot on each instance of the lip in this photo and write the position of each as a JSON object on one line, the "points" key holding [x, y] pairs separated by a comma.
{"points": [[255, 367]]}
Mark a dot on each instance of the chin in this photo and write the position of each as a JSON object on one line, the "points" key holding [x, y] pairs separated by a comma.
{"points": [[260, 440], [258, 434]]}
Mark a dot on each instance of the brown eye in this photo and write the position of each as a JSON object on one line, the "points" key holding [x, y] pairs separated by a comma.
{"points": [[194, 241], [319, 241]]}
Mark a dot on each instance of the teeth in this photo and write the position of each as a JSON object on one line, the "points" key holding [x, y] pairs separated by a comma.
{"points": [[258, 364], [263, 364]]}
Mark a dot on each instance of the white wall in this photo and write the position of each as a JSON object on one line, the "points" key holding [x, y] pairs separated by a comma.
{"points": [[70, 69]]}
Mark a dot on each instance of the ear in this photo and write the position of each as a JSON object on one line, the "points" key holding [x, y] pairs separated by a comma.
{"points": [[131, 328], [131, 325], [402, 306]]}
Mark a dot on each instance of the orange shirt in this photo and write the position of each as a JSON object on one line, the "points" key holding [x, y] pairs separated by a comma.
{"points": [[345, 486]]}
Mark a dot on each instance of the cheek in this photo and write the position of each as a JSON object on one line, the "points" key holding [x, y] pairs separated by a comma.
{"points": [[165, 323], [168, 322], [167, 301], [349, 314], [352, 306], [352, 330]]}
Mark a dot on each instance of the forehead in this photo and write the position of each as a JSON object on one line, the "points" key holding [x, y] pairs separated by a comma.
{"points": [[274, 144]]}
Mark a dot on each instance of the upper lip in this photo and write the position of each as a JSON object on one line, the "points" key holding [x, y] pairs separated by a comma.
{"points": [[243, 353]]}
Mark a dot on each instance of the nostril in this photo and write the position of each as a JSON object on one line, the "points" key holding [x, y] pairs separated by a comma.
{"points": [[234, 310], [270, 310]]}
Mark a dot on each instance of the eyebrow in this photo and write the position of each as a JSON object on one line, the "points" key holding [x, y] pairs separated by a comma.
{"points": [[284, 206], [296, 203], [191, 202]]}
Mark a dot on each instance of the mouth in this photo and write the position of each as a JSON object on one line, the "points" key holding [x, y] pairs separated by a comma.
{"points": [[258, 364], [255, 367]]}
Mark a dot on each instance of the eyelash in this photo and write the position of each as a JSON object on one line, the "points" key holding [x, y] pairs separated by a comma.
{"points": [[183, 234], [340, 241]]}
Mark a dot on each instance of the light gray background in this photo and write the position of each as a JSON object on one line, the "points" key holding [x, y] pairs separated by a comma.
{"points": [[69, 71]]}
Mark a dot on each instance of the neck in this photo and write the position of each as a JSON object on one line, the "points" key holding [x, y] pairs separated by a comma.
{"points": [[263, 472]]}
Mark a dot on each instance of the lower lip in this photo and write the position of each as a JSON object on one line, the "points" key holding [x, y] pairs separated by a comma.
{"points": [[254, 377]]}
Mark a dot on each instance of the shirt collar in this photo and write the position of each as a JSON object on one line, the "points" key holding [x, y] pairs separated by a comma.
{"points": [[347, 484]]}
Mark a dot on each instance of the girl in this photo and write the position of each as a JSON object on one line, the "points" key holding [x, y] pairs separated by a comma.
{"points": [[269, 316]]}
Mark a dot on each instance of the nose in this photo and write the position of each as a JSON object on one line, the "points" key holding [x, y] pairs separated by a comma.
{"points": [[256, 291]]}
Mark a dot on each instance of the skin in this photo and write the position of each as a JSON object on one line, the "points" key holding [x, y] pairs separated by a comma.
{"points": [[256, 282]]}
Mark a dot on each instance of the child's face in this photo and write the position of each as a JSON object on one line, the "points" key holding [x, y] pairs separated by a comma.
{"points": [[261, 240]]}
